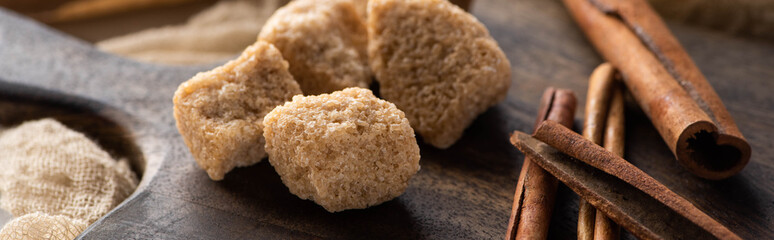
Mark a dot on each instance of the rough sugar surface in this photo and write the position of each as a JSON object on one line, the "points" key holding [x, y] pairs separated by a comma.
{"points": [[324, 42], [345, 150], [437, 63], [219, 113]]}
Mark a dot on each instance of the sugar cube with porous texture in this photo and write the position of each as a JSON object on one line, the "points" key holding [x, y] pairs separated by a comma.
{"points": [[437, 63], [220, 113], [345, 150], [325, 43]]}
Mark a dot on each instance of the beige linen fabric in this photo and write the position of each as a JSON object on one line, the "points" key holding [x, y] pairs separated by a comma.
{"points": [[48, 168]]}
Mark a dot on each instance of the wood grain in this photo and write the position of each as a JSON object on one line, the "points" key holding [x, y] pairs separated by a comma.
{"points": [[464, 192]]}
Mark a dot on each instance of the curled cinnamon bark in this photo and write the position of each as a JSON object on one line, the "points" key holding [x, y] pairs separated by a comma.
{"points": [[614, 126], [641, 211], [586, 220], [604, 228], [536, 189], [666, 83], [597, 103], [603, 121]]}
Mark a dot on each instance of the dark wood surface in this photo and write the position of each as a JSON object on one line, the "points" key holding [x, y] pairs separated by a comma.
{"points": [[463, 192]]}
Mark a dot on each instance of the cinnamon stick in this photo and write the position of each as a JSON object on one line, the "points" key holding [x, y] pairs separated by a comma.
{"points": [[616, 168], [586, 220], [601, 121], [614, 126], [604, 228], [536, 189], [668, 86], [597, 102], [643, 206]]}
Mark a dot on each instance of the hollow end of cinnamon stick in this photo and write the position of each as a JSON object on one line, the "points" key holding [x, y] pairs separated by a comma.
{"points": [[706, 152], [666, 83]]}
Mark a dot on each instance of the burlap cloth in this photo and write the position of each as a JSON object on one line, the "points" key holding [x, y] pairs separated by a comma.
{"points": [[57, 181], [42, 226]]}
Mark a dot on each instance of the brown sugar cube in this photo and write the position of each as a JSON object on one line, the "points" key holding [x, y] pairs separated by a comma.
{"points": [[220, 113], [344, 150], [437, 63], [324, 42]]}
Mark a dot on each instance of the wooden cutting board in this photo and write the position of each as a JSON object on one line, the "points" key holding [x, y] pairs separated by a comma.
{"points": [[463, 192]]}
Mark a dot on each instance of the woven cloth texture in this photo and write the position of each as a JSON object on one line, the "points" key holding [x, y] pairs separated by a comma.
{"points": [[50, 169], [42, 226]]}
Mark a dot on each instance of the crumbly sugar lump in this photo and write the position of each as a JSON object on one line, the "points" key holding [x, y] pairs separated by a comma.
{"points": [[41, 226], [220, 113], [48, 168], [437, 63], [324, 41], [345, 150]]}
